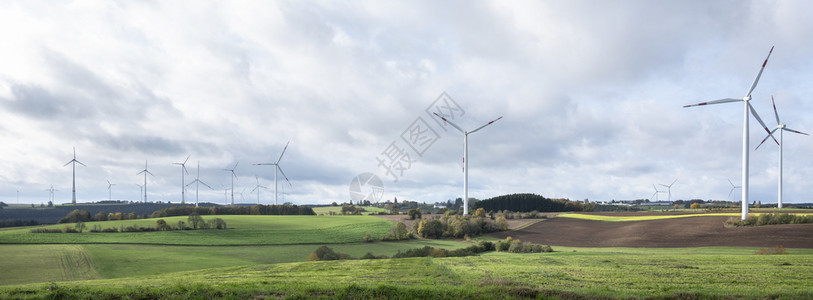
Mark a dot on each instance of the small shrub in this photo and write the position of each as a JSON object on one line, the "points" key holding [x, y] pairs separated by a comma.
{"points": [[368, 237]]}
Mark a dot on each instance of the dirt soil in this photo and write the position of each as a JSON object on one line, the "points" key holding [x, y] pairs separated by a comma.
{"points": [[668, 233]]}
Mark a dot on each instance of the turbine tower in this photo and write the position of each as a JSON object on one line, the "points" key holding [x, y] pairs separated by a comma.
{"points": [[465, 161], [110, 190], [233, 177], [781, 128], [747, 106], [669, 188], [183, 182], [145, 179], [197, 180], [74, 162], [277, 169]]}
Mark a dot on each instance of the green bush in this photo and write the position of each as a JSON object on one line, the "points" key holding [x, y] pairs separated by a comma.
{"points": [[770, 219]]}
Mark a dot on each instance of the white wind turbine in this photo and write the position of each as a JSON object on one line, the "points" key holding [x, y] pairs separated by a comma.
{"points": [[51, 193], [110, 190], [669, 188], [745, 132], [257, 188], [74, 162], [183, 182], [233, 177], [465, 161], [140, 190], [197, 180], [781, 128], [145, 171], [655, 195], [277, 168], [733, 187]]}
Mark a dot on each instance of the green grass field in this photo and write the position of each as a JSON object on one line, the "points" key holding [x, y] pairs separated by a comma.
{"points": [[264, 256], [648, 217], [243, 230], [637, 274]]}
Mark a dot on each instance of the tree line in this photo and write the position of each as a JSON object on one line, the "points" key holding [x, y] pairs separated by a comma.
{"points": [[532, 202]]}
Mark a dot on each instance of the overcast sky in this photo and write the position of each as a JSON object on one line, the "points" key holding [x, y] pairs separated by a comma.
{"points": [[591, 95]]}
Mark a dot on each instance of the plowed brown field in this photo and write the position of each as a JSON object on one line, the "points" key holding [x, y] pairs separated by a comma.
{"points": [[668, 233]]}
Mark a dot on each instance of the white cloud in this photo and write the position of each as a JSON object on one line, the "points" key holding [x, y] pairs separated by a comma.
{"points": [[591, 94]]}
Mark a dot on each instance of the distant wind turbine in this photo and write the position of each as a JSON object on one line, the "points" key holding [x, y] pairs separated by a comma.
{"points": [[110, 190], [745, 133], [51, 193], [74, 162], [140, 190], [732, 188], [145, 171], [781, 128], [233, 177], [257, 188], [183, 182], [197, 180], [465, 161], [669, 188], [655, 195], [277, 168]]}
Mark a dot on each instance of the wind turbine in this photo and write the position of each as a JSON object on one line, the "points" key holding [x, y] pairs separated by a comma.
{"points": [[747, 106], [140, 190], [233, 177], [257, 188], [277, 168], [655, 195], [74, 162], [110, 190], [183, 183], [197, 180], [669, 188], [732, 188], [466, 162], [51, 193], [781, 128], [145, 179]]}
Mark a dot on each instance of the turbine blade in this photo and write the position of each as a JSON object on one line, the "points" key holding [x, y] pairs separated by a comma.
{"points": [[794, 131], [187, 159], [726, 100], [754, 85], [81, 163], [673, 183], [489, 123], [450, 123], [776, 114], [765, 139], [729, 193], [754, 112], [732, 184], [283, 175], [201, 182], [283, 151]]}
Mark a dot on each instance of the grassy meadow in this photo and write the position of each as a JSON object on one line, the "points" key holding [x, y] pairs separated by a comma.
{"points": [[264, 256], [709, 273], [243, 230]]}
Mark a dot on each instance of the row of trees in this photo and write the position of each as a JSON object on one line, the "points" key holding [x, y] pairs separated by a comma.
{"points": [[259, 209], [532, 202]]}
